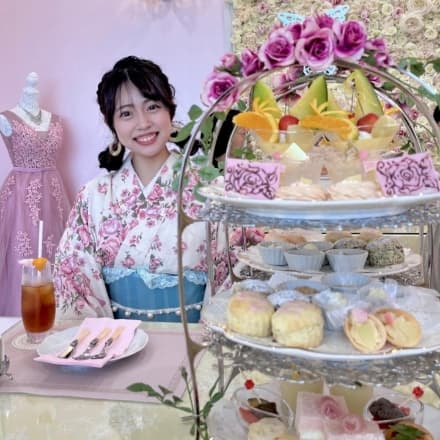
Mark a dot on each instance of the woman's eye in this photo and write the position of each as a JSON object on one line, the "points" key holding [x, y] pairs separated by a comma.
{"points": [[152, 106], [124, 114]]}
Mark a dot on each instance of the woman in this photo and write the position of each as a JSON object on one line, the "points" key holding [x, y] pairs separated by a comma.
{"points": [[118, 254]]}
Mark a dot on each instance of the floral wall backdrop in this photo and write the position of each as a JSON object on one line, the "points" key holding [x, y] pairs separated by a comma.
{"points": [[411, 27]]}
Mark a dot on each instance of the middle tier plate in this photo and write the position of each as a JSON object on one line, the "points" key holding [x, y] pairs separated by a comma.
{"points": [[252, 258], [422, 303]]}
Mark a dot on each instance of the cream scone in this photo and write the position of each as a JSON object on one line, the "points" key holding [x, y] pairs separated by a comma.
{"points": [[403, 329], [334, 236], [369, 234], [302, 191], [350, 190], [298, 324], [249, 313], [266, 428], [366, 332]]}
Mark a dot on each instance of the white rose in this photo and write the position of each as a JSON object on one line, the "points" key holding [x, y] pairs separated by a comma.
{"points": [[411, 23], [430, 33], [422, 6]]}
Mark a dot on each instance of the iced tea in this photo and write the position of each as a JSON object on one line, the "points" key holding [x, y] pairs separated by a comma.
{"points": [[38, 307]]}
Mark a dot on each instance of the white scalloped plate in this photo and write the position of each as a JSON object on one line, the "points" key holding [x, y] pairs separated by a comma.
{"points": [[252, 258], [330, 209], [422, 303]]}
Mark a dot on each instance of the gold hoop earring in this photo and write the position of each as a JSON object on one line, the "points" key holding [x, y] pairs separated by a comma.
{"points": [[115, 149]]}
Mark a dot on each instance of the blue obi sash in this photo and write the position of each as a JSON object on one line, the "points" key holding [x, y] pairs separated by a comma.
{"points": [[140, 294]]}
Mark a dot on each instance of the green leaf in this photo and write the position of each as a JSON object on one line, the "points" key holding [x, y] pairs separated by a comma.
{"points": [[184, 132], [405, 432], [195, 112], [241, 105], [388, 86], [209, 173], [436, 64], [221, 116], [142, 387], [165, 391], [177, 399], [200, 159]]}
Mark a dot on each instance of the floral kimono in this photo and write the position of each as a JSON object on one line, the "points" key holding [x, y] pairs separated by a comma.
{"points": [[118, 254]]}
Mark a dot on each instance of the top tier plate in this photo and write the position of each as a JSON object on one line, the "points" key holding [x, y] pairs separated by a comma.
{"points": [[315, 210]]}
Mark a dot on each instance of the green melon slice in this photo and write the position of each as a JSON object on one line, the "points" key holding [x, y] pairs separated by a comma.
{"points": [[316, 91]]}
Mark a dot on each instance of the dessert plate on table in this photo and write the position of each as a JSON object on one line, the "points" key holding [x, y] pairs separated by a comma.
{"points": [[316, 209], [252, 258], [422, 303], [57, 342]]}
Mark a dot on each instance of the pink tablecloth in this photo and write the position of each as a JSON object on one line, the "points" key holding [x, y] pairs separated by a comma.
{"points": [[157, 364]]}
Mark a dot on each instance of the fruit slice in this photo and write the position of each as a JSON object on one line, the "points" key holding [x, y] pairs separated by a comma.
{"points": [[344, 127], [263, 100], [366, 122], [333, 106], [262, 123], [294, 152], [366, 97], [248, 416], [317, 92], [286, 121], [39, 263], [385, 126]]}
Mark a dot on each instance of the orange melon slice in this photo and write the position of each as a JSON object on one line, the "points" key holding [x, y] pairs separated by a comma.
{"points": [[264, 124]]}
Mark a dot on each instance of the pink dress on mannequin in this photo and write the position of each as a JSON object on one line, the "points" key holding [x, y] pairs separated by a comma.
{"points": [[32, 191]]}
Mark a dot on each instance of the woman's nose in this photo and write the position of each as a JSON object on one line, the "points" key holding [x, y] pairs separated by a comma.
{"points": [[144, 120]]}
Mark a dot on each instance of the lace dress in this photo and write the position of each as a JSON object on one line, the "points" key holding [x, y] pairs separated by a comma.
{"points": [[33, 190]]}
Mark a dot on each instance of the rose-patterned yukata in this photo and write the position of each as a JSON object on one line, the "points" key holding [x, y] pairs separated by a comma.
{"points": [[32, 191], [118, 255]]}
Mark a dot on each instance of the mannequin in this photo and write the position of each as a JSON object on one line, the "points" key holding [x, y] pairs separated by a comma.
{"points": [[32, 191], [28, 108]]}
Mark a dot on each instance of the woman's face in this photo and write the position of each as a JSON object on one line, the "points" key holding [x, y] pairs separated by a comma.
{"points": [[142, 125]]}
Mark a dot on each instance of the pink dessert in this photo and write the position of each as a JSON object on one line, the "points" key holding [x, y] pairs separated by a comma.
{"points": [[352, 427], [314, 410], [258, 180], [407, 174]]}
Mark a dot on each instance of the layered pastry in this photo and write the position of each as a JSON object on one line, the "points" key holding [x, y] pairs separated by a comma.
{"points": [[334, 236], [369, 234], [298, 324], [292, 237], [353, 190], [352, 427], [350, 243], [302, 191], [314, 410], [249, 313], [267, 428], [403, 329], [385, 251], [365, 331]]}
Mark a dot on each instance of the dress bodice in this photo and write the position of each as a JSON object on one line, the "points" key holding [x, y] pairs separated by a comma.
{"points": [[29, 148]]}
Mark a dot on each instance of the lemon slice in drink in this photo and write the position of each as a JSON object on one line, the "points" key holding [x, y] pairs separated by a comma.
{"points": [[39, 263]]}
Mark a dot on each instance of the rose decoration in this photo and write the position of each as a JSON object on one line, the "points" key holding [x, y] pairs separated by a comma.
{"points": [[316, 51], [279, 49], [352, 423], [216, 84], [350, 39], [329, 408]]}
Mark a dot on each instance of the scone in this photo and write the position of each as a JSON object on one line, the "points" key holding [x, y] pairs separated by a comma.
{"points": [[249, 313], [334, 236], [266, 428], [298, 324], [403, 329], [291, 237], [365, 331]]}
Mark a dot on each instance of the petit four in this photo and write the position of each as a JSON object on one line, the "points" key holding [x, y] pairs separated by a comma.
{"points": [[385, 251], [267, 428]]}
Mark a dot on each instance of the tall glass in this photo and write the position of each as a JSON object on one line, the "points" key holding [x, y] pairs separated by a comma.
{"points": [[37, 301]]}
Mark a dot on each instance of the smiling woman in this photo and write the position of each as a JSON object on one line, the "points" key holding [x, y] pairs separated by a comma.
{"points": [[118, 254]]}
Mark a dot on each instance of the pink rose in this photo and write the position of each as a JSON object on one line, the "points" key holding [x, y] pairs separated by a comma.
{"points": [[316, 51], [229, 62], [156, 193], [110, 248], [84, 235], [250, 63], [383, 59], [279, 49], [215, 86], [376, 44], [350, 39], [110, 227], [329, 407], [352, 423]]}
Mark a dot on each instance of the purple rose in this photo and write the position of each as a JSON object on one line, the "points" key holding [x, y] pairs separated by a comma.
{"points": [[215, 85], [316, 51], [309, 27], [376, 44], [350, 39], [228, 60], [279, 49], [383, 59], [250, 63], [280, 79], [324, 21], [295, 29]]}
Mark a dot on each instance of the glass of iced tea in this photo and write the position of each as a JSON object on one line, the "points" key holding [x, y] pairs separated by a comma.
{"points": [[37, 299]]}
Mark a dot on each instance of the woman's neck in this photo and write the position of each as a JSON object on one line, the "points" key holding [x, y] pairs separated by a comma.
{"points": [[147, 167]]}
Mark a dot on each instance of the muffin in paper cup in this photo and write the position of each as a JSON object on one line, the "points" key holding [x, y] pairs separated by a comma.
{"points": [[272, 252], [347, 260], [252, 285], [335, 306]]}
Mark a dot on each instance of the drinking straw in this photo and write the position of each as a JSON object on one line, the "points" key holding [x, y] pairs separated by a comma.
{"points": [[40, 239]]}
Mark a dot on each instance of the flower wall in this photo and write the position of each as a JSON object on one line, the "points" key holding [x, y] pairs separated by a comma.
{"points": [[410, 27]]}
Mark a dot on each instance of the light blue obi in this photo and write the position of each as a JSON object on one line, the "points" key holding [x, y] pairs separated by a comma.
{"points": [[140, 294]]}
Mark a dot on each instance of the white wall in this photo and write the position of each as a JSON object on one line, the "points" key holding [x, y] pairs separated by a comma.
{"points": [[71, 43]]}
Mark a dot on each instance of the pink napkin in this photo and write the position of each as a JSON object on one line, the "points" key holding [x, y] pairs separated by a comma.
{"points": [[96, 325]]}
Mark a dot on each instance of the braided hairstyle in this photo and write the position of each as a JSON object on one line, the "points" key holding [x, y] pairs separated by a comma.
{"points": [[152, 83]]}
